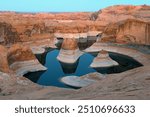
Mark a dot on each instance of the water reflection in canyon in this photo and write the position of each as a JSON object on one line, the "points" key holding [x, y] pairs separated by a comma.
{"points": [[57, 69]]}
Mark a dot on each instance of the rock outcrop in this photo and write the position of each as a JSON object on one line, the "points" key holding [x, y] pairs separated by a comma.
{"points": [[134, 53], [119, 24], [19, 53], [118, 13], [4, 66], [103, 60], [82, 81], [134, 31], [21, 60], [8, 34], [75, 81], [69, 52], [130, 31]]}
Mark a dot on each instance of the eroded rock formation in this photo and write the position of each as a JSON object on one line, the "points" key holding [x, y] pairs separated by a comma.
{"points": [[18, 53], [8, 34], [134, 31], [4, 66], [103, 60], [69, 52], [22, 60], [37, 31], [118, 13]]}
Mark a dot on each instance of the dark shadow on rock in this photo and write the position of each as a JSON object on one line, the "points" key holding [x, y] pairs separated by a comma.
{"points": [[69, 68], [34, 76], [42, 57], [125, 63]]}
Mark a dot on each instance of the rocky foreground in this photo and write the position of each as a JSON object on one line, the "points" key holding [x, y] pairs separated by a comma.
{"points": [[116, 29]]}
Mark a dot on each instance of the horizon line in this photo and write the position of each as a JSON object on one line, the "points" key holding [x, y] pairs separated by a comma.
{"points": [[17, 11]]}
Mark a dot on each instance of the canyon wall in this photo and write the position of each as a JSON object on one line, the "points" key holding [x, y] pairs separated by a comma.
{"points": [[118, 13], [8, 34], [19, 53], [27, 27], [134, 31], [4, 67]]}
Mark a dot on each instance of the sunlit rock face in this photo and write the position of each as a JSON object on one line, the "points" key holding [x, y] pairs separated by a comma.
{"points": [[134, 31], [4, 67], [19, 53], [122, 12], [21, 60], [130, 31], [103, 60], [69, 44], [8, 34], [69, 52]]}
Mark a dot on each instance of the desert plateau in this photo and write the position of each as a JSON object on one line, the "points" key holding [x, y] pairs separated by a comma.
{"points": [[76, 55]]}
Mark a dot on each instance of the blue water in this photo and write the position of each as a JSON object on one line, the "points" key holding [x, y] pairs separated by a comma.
{"points": [[57, 70]]}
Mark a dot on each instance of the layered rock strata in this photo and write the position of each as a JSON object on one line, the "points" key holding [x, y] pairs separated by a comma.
{"points": [[69, 52], [75, 81], [83, 81], [8, 34], [4, 66], [137, 55], [134, 31], [21, 60], [103, 60]]}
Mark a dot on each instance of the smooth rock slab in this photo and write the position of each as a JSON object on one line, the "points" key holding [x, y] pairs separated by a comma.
{"points": [[21, 68], [76, 81]]}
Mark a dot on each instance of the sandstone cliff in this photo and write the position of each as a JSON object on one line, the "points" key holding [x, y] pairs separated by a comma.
{"points": [[4, 67], [8, 34], [130, 31], [19, 53], [69, 44], [122, 12], [134, 31], [39, 26]]}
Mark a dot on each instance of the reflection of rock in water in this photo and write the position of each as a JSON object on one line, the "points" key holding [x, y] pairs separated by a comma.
{"points": [[83, 43], [42, 57], [103, 60], [69, 68], [110, 70], [83, 46], [34, 77], [59, 43], [125, 63]]}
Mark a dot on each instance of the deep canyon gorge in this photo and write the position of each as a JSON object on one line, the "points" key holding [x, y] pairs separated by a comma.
{"points": [[67, 42]]}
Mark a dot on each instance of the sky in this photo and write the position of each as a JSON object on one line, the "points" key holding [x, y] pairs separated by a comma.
{"points": [[63, 5]]}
